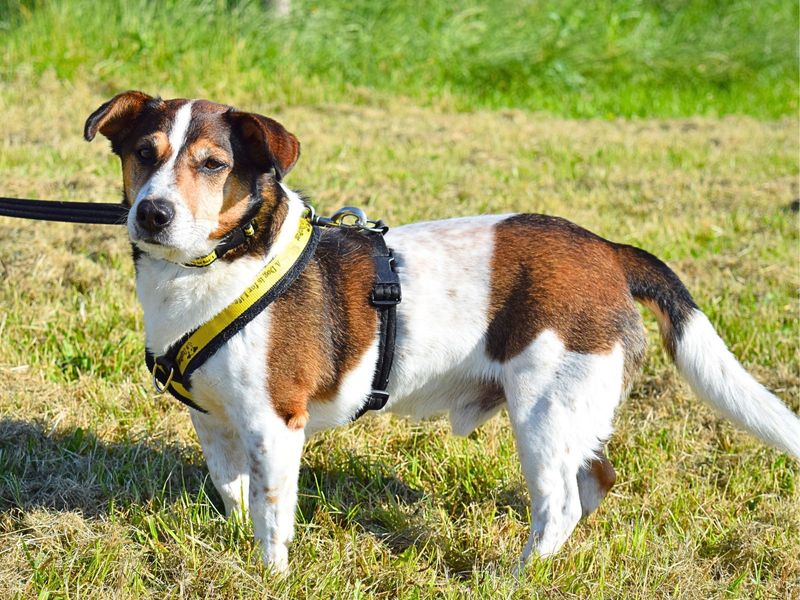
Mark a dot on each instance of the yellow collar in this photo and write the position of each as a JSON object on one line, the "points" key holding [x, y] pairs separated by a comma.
{"points": [[235, 238]]}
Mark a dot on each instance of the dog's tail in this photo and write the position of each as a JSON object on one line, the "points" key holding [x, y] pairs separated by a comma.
{"points": [[702, 357]]}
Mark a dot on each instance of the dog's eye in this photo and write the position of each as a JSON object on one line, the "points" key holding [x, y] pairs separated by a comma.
{"points": [[146, 154], [212, 164]]}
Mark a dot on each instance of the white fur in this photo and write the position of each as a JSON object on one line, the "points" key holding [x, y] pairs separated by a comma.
{"points": [[445, 271], [233, 386], [350, 396], [177, 299], [226, 458], [717, 377], [162, 183]]}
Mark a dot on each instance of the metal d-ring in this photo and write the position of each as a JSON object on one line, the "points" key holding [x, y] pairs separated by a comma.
{"points": [[157, 384], [348, 217], [350, 211]]}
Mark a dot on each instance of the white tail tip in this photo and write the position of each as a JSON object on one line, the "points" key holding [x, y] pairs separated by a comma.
{"points": [[717, 377]]}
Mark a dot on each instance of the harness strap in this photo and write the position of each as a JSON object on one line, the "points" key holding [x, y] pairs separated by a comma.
{"points": [[173, 369], [386, 295]]}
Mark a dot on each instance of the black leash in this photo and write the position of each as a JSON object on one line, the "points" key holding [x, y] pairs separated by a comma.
{"points": [[69, 212]]}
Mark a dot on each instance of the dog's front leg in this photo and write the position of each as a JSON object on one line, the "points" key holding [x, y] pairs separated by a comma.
{"points": [[226, 459], [273, 453]]}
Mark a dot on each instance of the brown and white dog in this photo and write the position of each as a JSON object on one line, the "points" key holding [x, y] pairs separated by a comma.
{"points": [[527, 312]]}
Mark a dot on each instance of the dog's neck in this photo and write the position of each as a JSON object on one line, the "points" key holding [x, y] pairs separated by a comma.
{"points": [[176, 299]]}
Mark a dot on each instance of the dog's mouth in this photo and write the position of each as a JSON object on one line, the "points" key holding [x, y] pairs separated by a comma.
{"points": [[158, 245], [151, 239], [171, 244], [159, 249]]}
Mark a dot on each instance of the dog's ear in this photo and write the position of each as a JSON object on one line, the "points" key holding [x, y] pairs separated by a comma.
{"points": [[267, 142], [115, 118]]}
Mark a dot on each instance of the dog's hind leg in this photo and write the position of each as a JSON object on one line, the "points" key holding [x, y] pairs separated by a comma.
{"points": [[560, 404], [226, 460], [594, 481]]}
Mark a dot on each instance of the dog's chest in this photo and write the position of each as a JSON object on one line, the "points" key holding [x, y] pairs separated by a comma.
{"points": [[176, 299]]}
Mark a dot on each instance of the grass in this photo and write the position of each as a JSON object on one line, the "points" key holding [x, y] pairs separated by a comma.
{"points": [[103, 487], [567, 57]]}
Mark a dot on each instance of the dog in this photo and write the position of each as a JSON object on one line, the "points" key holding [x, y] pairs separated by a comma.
{"points": [[524, 311]]}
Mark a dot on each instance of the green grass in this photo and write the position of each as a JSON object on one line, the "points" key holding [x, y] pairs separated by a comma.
{"points": [[103, 487], [567, 57]]}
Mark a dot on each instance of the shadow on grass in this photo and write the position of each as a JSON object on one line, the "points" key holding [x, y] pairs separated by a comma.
{"points": [[74, 470], [361, 491]]}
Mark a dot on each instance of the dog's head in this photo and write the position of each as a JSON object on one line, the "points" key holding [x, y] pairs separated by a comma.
{"points": [[192, 170]]}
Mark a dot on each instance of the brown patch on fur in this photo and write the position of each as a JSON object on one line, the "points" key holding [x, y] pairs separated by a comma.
{"points": [[134, 173], [298, 421], [233, 214], [603, 472], [548, 273], [595, 480], [656, 286], [267, 141], [269, 218], [221, 196], [273, 220], [127, 128], [661, 316], [131, 179], [323, 324]]}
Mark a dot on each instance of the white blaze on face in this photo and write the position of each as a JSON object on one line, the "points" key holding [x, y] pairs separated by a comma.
{"points": [[162, 183], [184, 238]]}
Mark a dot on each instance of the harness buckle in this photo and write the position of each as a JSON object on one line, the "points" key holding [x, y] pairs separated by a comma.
{"points": [[386, 289], [157, 386], [378, 399]]}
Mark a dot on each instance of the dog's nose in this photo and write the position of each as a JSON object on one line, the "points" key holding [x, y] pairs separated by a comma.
{"points": [[153, 215]]}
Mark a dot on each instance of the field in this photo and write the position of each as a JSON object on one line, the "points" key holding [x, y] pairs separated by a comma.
{"points": [[103, 487]]}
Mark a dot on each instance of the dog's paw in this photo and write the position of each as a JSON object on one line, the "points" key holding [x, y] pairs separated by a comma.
{"points": [[277, 559]]}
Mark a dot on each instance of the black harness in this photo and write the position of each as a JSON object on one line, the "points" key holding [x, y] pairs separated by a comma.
{"points": [[385, 296]]}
